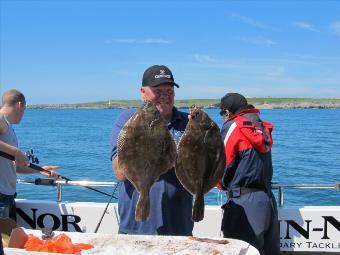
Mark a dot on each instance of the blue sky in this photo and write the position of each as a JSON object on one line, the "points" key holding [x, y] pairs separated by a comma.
{"points": [[84, 51]]}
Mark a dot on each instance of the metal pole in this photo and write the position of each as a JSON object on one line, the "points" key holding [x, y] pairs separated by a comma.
{"points": [[280, 194], [59, 192]]}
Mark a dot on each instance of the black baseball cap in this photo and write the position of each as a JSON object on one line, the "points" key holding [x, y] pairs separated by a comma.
{"points": [[233, 102], [157, 75]]}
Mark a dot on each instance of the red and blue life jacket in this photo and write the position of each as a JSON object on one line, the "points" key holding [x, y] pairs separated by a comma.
{"points": [[248, 142]]}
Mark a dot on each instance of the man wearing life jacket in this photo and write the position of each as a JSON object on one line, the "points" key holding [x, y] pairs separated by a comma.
{"points": [[251, 211]]}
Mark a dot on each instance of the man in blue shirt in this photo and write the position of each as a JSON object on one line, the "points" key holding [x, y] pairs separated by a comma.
{"points": [[171, 204]]}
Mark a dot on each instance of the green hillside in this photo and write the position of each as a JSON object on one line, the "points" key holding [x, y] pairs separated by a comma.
{"points": [[264, 102]]}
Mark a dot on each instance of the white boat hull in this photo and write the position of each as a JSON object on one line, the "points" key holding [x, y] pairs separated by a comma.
{"points": [[301, 228]]}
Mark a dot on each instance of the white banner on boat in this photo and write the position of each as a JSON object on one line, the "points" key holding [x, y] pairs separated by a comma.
{"points": [[310, 228], [301, 228]]}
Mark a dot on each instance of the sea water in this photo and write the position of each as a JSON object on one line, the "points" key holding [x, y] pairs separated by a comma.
{"points": [[306, 150]]}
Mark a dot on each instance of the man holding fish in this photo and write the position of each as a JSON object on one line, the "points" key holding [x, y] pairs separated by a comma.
{"points": [[170, 205]]}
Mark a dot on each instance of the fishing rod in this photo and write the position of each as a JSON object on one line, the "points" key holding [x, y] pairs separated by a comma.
{"points": [[40, 169], [107, 206]]}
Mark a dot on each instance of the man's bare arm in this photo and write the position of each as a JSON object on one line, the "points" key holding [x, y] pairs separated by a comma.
{"points": [[20, 158], [28, 170]]}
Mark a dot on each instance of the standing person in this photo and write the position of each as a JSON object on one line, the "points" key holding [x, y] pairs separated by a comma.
{"points": [[11, 112], [251, 211], [171, 204]]}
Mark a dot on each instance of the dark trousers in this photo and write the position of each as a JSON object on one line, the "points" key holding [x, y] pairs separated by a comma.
{"points": [[235, 224], [253, 218], [1, 246], [8, 201]]}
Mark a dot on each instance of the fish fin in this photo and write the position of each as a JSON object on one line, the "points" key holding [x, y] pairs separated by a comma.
{"points": [[219, 165], [142, 207], [215, 160], [198, 209]]}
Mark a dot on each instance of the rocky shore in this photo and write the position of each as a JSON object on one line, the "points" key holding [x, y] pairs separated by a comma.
{"points": [[295, 105]]}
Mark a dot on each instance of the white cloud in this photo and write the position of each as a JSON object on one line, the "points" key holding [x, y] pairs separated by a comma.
{"points": [[258, 41], [305, 25], [335, 26], [251, 22], [203, 58], [262, 77], [156, 40], [140, 41]]}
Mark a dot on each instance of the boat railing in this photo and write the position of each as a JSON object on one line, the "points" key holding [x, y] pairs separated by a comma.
{"points": [[59, 183], [282, 187]]}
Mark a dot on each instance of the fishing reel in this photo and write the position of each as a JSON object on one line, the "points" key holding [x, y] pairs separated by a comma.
{"points": [[31, 157]]}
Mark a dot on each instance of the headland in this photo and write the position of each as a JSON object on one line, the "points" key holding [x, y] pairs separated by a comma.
{"points": [[260, 103]]}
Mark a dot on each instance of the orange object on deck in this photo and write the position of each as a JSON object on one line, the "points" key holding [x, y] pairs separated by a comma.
{"points": [[78, 247], [58, 244], [33, 243]]}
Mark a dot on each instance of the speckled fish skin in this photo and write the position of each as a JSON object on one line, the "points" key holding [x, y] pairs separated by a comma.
{"points": [[145, 150], [201, 159]]}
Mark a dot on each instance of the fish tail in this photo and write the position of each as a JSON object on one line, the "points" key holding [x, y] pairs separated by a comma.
{"points": [[142, 207], [198, 210]]}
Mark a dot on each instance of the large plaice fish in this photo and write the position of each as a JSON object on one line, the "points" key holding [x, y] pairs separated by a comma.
{"points": [[145, 150], [201, 159]]}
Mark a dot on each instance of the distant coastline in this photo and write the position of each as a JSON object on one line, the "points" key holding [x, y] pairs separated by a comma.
{"points": [[260, 103]]}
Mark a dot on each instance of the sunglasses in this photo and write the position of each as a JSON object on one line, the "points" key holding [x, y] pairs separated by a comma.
{"points": [[224, 112]]}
